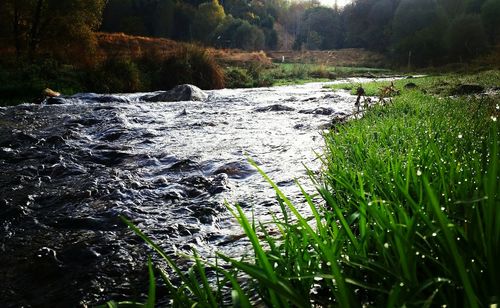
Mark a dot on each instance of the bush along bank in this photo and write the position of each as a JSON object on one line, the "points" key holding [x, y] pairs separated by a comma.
{"points": [[409, 216], [24, 82]]}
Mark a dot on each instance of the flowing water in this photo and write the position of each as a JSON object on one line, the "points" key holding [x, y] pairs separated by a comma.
{"points": [[68, 171]]}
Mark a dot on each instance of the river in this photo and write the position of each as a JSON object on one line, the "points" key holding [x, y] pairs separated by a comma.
{"points": [[68, 171]]}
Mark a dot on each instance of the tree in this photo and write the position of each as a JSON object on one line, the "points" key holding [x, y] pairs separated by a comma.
{"points": [[239, 33], [466, 36], [249, 37], [69, 24], [14, 26], [163, 18], [183, 21], [356, 21], [115, 12], [320, 29], [453, 8], [56, 26], [490, 15], [419, 29], [208, 17], [140, 17], [369, 23], [473, 6]]}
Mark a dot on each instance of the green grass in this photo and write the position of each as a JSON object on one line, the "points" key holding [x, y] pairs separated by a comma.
{"points": [[409, 216], [437, 84], [296, 73], [256, 75]]}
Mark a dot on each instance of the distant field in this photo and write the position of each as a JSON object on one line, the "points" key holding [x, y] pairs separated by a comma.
{"points": [[343, 57]]}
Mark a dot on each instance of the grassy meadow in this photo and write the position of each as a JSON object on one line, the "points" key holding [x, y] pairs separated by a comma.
{"points": [[408, 215]]}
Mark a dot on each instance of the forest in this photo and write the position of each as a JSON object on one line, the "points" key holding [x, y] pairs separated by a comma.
{"points": [[423, 32]]}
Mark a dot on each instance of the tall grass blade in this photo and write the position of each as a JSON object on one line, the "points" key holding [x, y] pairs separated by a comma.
{"points": [[152, 286], [452, 246]]}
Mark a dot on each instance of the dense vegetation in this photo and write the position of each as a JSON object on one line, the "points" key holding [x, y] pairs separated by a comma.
{"points": [[405, 214]]}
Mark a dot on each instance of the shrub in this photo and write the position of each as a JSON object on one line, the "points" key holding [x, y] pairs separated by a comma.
{"points": [[257, 69], [115, 75], [321, 71], [190, 64], [237, 77], [24, 82]]}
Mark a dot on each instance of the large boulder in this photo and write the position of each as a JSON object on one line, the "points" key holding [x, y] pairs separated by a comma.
{"points": [[183, 92]]}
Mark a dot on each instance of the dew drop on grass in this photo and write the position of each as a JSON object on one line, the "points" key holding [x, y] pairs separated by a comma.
{"points": [[386, 245], [434, 234], [402, 284], [419, 173], [442, 208]]}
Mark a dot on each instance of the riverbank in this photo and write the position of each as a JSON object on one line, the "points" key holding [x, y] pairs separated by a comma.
{"points": [[405, 213], [125, 63], [24, 83]]}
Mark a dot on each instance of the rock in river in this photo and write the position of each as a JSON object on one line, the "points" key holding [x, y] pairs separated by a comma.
{"points": [[184, 92]]}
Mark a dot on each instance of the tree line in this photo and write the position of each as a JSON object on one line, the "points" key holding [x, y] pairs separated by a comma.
{"points": [[423, 32], [417, 32]]}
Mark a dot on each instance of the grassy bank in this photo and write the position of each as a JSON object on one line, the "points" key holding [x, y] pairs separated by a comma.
{"points": [[257, 75], [25, 82], [409, 217], [441, 85]]}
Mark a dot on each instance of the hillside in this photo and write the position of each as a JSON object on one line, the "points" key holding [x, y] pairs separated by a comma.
{"points": [[122, 45], [134, 47]]}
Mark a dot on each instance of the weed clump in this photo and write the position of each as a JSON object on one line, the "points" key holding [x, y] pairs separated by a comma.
{"points": [[237, 77], [115, 75], [190, 64]]}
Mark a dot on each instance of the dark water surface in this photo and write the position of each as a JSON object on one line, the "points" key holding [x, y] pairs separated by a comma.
{"points": [[67, 172]]}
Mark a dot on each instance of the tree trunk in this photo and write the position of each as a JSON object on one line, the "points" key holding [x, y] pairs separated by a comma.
{"points": [[16, 24], [35, 29]]}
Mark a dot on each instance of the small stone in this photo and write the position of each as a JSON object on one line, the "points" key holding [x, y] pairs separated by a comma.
{"points": [[410, 85]]}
